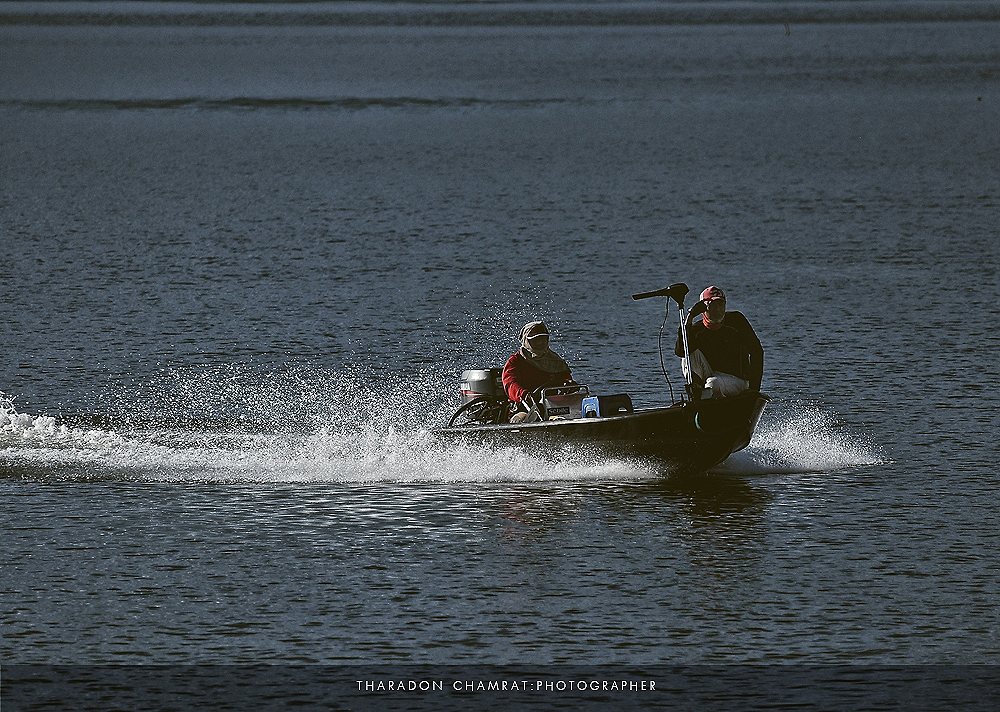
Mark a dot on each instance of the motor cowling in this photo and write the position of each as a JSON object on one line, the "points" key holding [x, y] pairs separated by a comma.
{"points": [[481, 382]]}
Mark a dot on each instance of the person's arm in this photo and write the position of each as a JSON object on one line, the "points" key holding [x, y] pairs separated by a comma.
{"points": [[755, 354], [509, 378], [679, 344], [561, 379], [691, 333]]}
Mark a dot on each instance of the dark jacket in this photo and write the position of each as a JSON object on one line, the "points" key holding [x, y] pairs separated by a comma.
{"points": [[733, 348]]}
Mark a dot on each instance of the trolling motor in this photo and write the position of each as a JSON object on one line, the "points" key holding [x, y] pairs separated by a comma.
{"points": [[677, 292]]}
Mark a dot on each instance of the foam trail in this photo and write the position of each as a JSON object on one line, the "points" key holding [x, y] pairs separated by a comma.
{"points": [[388, 456], [23, 431], [803, 439], [366, 448], [391, 455], [309, 427]]}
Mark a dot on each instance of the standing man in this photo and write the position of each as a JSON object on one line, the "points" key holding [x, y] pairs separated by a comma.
{"points": [[726, 355]]}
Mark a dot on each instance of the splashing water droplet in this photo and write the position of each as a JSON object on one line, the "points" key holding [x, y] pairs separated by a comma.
{"points": [[803, 438]]}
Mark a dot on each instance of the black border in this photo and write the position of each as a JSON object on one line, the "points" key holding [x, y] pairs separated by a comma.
{"points": [[320, 687]]}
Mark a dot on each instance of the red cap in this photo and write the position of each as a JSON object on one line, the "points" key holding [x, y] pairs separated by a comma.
{"points": [[713, 293]]}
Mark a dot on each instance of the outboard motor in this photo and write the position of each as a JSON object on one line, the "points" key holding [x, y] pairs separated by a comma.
{"points": [[481, 382]]}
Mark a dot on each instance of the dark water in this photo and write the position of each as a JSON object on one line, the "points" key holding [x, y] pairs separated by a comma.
{"points": [[243, 264]]}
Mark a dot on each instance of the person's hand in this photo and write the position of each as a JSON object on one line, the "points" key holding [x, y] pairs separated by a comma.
{"points": [[698, 308]]}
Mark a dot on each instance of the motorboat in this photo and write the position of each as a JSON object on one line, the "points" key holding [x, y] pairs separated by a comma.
{"points": [[692, 434]]}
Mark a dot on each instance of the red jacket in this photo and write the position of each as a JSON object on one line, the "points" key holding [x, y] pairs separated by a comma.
{"points": [[521, 377]]}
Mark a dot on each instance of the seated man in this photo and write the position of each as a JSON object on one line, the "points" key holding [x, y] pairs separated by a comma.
{"points": [[726, 354], [533, 366]]}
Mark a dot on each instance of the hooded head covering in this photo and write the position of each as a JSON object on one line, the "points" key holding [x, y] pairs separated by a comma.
{"points": [[532, 330], [541, 357]]}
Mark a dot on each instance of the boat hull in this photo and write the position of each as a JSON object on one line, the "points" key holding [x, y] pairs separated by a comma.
{"points": [[692, 436]]}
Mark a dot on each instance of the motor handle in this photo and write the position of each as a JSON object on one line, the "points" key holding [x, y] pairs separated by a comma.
{"points": [[677, 292]]}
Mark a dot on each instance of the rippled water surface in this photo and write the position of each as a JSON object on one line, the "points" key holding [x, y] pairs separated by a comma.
{"points": [[243, 265]]}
